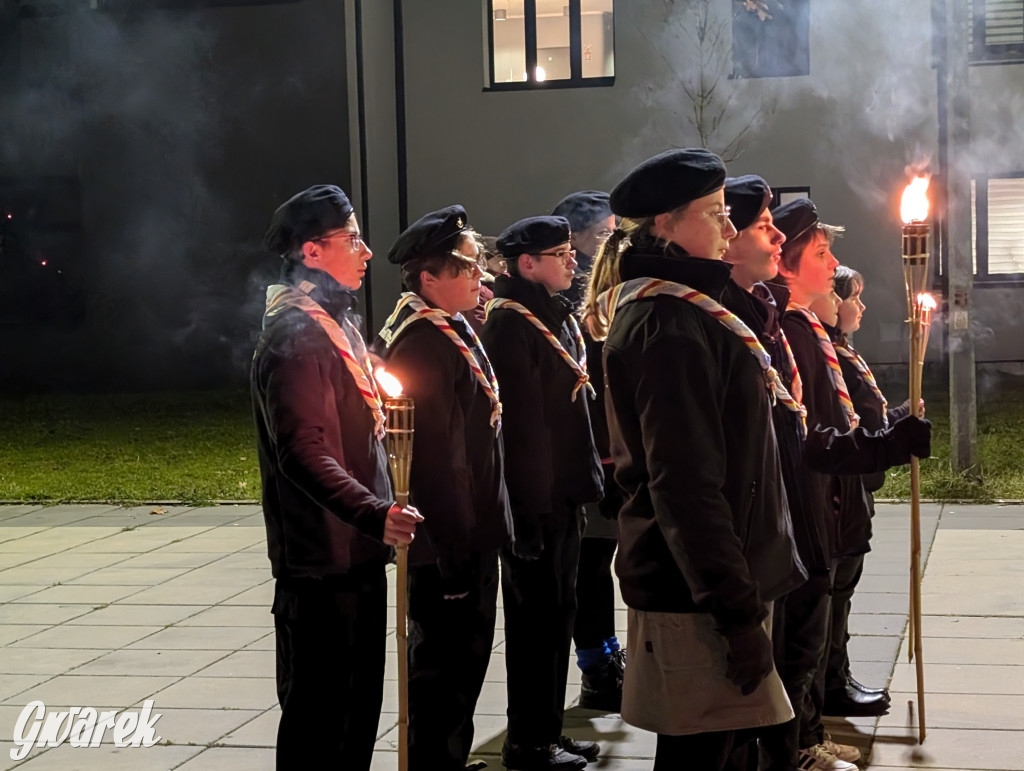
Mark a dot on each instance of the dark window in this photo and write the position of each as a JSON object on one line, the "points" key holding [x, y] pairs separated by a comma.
{"points": [[783, 195], [998, 31], [771, 38], [997, 227], [550, 43]]}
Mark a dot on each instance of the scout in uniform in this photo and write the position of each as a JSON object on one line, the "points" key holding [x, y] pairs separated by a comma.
{"points": [[327, 500], [598, 652], [552, 470], [705, 540], [456, 481]]}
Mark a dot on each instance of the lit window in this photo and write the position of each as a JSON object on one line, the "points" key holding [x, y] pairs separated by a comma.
{"points": [[550, 43]]}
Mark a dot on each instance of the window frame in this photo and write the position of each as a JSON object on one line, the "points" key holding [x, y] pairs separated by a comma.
{"points": [[991, 54], [799, 191], [575, 80], [981, 243]]}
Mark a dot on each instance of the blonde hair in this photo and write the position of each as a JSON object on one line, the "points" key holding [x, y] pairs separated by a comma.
{"points": [[605, 272]]}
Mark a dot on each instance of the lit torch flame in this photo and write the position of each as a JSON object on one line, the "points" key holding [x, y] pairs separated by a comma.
{"points": [[914, 205], [388, 382], [927, 302]]}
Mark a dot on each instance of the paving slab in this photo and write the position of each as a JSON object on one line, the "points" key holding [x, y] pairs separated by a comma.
{"points": [[193, 631]]}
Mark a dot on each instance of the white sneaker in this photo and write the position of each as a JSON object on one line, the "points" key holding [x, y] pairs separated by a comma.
{"points": [[817, 758], [846, 752]]}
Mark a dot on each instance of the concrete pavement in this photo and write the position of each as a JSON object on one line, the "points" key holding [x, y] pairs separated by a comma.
{"points": [[106, 607]]}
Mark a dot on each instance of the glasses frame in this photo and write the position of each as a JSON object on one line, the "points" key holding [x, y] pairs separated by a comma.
{"points": [[562, 255], [355, 240]]}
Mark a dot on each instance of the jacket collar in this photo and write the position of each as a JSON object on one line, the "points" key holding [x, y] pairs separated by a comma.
{"points": [[553, 310], [777, 292], [673, 264], [328, 293]]}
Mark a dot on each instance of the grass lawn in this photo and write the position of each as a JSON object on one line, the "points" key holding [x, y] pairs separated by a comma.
{"points": [[200, 447], [193, 447]]}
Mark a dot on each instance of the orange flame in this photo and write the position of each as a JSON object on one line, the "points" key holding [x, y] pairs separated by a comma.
{"points": [[914, 205], [927, 302], [390, 384]]}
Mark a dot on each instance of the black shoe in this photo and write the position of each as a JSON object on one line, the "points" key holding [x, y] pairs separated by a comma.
{"points": [[478, 765], [864, 689], [581, 747], [550, 758], [850, 702], [601, 687]]}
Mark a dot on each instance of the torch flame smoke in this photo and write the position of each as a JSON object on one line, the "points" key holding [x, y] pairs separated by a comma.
{"points": [[388, 382], [914, 205]]}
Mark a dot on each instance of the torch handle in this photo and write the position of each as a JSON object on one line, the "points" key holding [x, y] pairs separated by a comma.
{"points": [[402, 639]]}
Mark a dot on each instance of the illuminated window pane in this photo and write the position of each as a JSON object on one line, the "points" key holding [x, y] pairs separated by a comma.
{"points": [[508, 31], [553, 40], [598, 37]]}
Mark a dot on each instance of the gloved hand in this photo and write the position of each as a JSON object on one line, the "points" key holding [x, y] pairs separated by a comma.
{"points": [[750, 657], [528, 540], [909, 436]]}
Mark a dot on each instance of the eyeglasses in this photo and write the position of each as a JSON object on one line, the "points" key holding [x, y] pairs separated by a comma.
{"points": [[355, 240], [563, 255], [721, 216]]}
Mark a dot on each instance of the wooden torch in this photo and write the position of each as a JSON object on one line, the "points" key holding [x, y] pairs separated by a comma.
{"points": [[399, 412], [920, 304]]}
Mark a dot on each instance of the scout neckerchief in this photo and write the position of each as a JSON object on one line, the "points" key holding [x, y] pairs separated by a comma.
{"points": [[848, 353], [796, 382], [420, 310], [580, 367], [833, 364], [638, 288], [346, 339]]}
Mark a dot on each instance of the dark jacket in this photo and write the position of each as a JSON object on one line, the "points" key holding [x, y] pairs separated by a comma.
{"points": [[835, 456], [456, 480], [705, 526], [868, 406], [326, 489], [551, 465], [759, 310]]}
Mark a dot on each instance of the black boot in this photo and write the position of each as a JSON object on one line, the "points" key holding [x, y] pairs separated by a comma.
{"points": [[601, 687], [864, 689], [849, 702], [550, 758]]}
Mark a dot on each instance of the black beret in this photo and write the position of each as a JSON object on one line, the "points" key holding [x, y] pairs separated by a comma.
{"points": [[533, 235], [796, 217], [747, 196], [583, 209], [667, 181], [431, 234], [305, 216]]}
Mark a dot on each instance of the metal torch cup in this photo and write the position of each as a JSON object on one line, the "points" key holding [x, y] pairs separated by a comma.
{"points": [[915, 277], [399, 413]]}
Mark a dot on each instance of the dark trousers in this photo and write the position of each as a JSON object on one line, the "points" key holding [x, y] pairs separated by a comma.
{"points": [[713, 751], [595, 593], [799, 637], [540, 608], [330, 668], [449, 647], [846, 576]]}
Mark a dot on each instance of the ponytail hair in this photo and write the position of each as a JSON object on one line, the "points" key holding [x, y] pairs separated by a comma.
{"points": [[605, 272]]}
